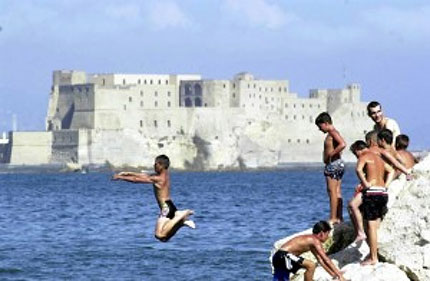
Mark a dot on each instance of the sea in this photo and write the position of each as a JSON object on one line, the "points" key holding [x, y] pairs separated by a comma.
{"points": [[73, 226]]}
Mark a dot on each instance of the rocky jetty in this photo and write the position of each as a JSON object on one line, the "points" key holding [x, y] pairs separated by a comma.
{"points": [[404, 237]]}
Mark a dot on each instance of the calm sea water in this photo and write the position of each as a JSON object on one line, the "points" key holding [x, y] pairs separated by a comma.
{"points": [[85, 227]]}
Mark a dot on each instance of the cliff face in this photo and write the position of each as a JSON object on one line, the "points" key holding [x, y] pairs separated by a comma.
{"points": [[403, 237]]}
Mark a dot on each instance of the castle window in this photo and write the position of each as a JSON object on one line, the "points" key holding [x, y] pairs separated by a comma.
{"points": [[198, 102], [259, 89], [223, 85], [156, 94], [150, 81], [141, 93], [188, 102], [167, 82], [319, 106], [280, 89], [139, 81], [168, 94], [159, 82], [234, 85], [130, 99], [286, 117], [271, 89], [141, 123], [144, 82], [234, 95], [303, 117], [249, 95], [103, 81], [123, 81], [155, 124], [310, 105], [285, 89], [206, 105], [307, 141], [141, 104], [289, 140], [125, 107], [311, 119], [156, 103], [168, 123], [248, 85], [298, 140], [295, 117], [259, 97], [168, 104], [303, 105], [294, 105]]}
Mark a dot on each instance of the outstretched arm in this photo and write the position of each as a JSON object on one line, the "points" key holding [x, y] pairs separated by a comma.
{"points": [[135, 177], [325, 261], [394, 161]]}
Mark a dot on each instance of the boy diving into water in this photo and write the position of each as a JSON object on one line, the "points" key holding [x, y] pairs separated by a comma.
{"points": [[170, 219]]}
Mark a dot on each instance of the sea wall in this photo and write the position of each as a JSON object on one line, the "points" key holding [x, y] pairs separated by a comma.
{"points": [[30, 148], [403, 237]]}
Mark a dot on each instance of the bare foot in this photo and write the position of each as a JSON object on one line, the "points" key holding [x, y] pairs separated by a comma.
{"points": [[360, 237], [333, 222], [190, 224], [368, 262]]}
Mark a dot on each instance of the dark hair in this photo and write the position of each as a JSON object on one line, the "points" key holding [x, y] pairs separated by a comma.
{"points": [[357, 145], [386, 135], [402, 141], [321, 226], [372, 104], [372, 135], [163, 160], [323, 117]]}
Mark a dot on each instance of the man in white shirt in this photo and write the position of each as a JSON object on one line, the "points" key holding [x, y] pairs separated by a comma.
{"points": [[374, 110]]}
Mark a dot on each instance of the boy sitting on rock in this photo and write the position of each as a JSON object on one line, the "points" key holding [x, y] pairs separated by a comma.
{"points": [[286, 260]]}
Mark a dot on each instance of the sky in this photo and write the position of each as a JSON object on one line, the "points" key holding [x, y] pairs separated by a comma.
{"points": [[382, 45]]}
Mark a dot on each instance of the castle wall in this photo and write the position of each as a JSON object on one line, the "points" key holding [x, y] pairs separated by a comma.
{"points": [[31, 148], [65, 146]]}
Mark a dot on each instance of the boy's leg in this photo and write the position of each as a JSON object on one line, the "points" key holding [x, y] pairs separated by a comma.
{"points": [[166, 227], [339, 207], [356, 217], [372, 240], [310, 269], [332, 195]]}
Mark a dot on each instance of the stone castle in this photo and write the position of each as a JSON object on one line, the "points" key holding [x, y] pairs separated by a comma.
{"points": [[128, 119]]}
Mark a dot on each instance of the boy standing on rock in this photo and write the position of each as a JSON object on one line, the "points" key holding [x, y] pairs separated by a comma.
{"points": [[402, 143], [335, 167], [286, 260], [170, 219], [371, 171]]}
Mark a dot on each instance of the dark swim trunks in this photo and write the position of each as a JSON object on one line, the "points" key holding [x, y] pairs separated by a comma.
{"points": [[284, 264], [335, 169], [374, 204], [168, 209]]}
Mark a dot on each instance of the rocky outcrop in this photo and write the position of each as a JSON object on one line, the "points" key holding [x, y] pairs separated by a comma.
{"points": [[404, 237]]}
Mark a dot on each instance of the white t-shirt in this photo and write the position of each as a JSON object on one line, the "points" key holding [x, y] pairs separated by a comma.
{"points": [[391, 125]]}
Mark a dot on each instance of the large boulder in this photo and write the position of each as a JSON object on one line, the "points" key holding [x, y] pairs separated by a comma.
{"points": [[404, 236]]}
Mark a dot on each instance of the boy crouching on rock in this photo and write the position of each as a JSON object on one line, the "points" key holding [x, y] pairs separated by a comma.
{"points": [[286, 260]]}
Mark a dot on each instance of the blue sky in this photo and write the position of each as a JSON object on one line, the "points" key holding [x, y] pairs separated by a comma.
{"points": [[383, 45]]}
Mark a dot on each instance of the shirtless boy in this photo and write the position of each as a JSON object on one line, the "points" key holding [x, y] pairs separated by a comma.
{"points": [[385, 142], [335, 167], [402, 143], [286, 260], [371, 171], [170, 219], [374, 110]]}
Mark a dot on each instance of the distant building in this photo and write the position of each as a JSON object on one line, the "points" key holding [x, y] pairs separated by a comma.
{"points": [[127, 119]]}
